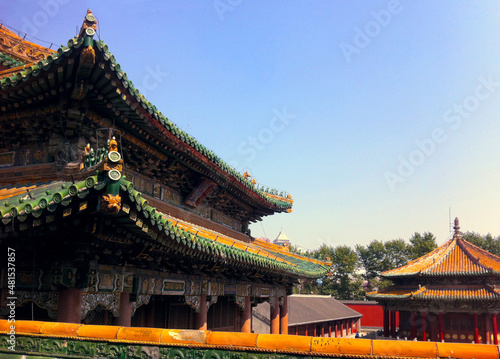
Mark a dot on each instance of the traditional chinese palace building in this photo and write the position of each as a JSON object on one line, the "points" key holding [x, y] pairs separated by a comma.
{"points": [[111, 214], [451, 294]]}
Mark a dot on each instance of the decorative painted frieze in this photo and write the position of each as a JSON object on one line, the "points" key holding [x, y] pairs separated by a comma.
{"points": [[141, 300], [110, 301]]}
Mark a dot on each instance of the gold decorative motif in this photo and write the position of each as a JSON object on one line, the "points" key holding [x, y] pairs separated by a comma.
{"points": [[113, 145], [20, 49], [88, 55], [117, 162], [85, 154], [111, 204]]}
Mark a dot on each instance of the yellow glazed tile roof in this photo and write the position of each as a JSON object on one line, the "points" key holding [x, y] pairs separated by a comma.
{"points": [[14, 191], [457, 257], [441, 292], [23, 52]]}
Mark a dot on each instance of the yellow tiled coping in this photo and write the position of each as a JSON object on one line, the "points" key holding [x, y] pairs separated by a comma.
{"points": [[364, 348]]}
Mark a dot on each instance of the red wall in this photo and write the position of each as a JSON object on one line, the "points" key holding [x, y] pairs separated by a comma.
{"points": [[373, 314]]}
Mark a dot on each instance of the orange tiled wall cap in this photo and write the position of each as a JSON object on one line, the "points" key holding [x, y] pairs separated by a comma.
{"points": [[332, 347]]}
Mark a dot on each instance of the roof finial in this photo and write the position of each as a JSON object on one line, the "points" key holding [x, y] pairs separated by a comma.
{"points": [[89, 26], [456, 227]]}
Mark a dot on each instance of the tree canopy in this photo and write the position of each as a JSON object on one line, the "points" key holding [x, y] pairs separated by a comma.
{"points": [[355, 271]]}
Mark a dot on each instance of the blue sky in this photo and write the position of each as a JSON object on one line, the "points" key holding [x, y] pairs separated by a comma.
{"points": [[376, 116]]}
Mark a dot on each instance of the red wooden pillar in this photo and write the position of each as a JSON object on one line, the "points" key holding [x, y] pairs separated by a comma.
{"points": [[307, 330], [441, 327], [297, 330], [246, 317], [200, 319], [69, 306], [386, 322], [476, 329], [322, 331], [329, 330], [495, 328], [487, 329], [337, 329], [413, 320], [284, 316], [393, 323], [125, 312], [424, 327], [275, 317]]}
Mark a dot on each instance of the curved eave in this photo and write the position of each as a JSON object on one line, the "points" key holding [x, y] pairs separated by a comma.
{"points": [[160, 127], [387, 296], [202, 241], [155, 226], [442, 274], [433, 297]]}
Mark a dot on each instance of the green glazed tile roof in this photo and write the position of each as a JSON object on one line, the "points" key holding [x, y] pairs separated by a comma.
{"points": [[20, 202], [10, 62], [155, 117]]}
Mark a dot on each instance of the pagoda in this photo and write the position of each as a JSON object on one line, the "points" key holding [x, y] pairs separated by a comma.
{"points": [[282, 239], [451, 294], [111, 214]]}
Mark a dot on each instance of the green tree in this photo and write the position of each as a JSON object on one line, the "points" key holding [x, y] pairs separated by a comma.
{"points": [[324, 253], [313, 286], [373, 260], [378, 257], [398, 252], [343, 282], [422, 244]]}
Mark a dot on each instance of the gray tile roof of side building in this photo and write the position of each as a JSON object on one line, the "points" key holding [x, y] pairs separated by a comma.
{"points": [[304, 309]]}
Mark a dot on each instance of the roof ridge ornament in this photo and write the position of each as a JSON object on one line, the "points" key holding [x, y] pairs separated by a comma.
{"points": [[89, 25], [456, 227]]}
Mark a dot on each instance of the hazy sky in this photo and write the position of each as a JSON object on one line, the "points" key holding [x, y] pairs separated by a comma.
{"points": [[377, 116]]}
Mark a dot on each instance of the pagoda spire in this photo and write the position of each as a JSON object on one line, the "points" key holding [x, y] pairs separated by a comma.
{"points": [[456, 227]]}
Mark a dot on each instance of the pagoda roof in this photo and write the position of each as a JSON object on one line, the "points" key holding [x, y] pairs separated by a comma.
{"points": [[438, 291], [33, 205], [40, 79], [456, 257]]}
